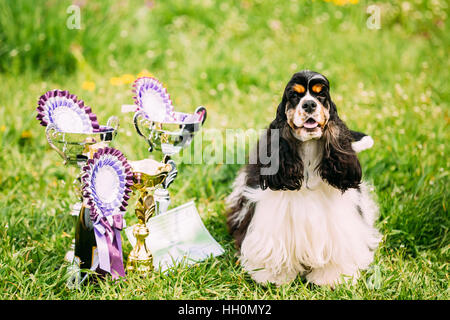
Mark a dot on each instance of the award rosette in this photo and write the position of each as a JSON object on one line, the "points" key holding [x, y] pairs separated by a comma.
{"points": [[66, 112], [156, 120], [107, 179], [153, 99]]}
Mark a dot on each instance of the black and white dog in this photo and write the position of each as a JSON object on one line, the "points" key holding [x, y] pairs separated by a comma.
{"points": [[313, 216]]}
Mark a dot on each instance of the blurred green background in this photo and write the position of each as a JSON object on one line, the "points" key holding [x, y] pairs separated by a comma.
{"points": [[234, 57]]}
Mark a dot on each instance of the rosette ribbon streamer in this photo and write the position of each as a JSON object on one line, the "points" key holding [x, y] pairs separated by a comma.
{"points": [[106, 181]]}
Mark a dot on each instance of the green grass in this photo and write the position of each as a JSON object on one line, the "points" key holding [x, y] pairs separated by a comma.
{"points": [[234, 58]]}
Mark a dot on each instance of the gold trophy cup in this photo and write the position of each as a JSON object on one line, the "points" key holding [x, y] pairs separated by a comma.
{"points": [[148, 174]]}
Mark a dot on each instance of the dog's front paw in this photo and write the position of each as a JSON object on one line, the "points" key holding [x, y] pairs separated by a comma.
{"points": [[265, 277], [330, 276]]}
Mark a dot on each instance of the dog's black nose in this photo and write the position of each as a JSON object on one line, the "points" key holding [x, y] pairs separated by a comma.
{"points": [[309, 106]]}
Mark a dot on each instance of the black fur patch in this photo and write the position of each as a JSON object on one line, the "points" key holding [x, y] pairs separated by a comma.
{"points": [[239, 230]]}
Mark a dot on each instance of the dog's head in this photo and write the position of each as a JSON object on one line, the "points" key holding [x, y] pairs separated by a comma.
{"points": [[306, 105], [307, 112]]}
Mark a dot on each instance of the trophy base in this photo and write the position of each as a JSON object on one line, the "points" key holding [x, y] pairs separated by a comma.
{"points": [[140, 260], [138, 266]]}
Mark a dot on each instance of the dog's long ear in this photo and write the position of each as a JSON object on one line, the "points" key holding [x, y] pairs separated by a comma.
{"points": [[280, 118], [289, 166], [340, 166]]}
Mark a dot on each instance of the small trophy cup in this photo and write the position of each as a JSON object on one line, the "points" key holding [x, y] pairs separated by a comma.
{"points": [[147, 175], [169, 132], [73, 131]]}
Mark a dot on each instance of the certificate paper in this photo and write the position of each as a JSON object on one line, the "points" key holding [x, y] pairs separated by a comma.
{"points": [[178, 236]]}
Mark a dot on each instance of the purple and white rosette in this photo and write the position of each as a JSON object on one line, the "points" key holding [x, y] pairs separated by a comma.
{"points": [[107, 179], [66, 112], [153, 99]]}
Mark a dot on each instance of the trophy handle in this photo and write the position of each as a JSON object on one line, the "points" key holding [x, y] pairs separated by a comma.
{"points": [[172, 173], [190, 128], [51, 132], [201, 109], [137, 121], [113, 122]]}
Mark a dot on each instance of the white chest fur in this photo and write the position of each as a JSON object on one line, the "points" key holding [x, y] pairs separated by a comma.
{"points": [[311, 153]]}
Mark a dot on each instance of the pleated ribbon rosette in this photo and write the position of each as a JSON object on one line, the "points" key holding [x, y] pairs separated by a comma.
{"points": [[66, 112], [153, 99], [107, 179]]}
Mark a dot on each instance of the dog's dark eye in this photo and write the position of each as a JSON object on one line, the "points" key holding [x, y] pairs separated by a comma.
{"points": [[293, 95]]}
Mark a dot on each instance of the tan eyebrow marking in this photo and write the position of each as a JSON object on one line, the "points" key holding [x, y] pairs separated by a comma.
{"points": [[317, 87], [299, 88]]}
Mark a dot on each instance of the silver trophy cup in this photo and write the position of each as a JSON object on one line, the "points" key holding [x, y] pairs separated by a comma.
{"points": [[75, 149], [169, 138]]}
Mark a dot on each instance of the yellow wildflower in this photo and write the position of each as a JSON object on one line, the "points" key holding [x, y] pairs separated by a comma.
{"points": [[3, 128], [342, 2], [127, 78], [115, 81], [145, 73], [25, 134], [88, 85]]}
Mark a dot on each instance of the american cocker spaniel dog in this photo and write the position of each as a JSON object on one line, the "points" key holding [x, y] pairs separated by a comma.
{"points": [[313, 215]]}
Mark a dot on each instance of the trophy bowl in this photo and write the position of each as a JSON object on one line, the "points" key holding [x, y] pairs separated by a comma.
{"points": [[172, 136], [73, 147], [148, 173]]}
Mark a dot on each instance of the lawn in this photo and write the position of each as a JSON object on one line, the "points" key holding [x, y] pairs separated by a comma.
{"points": [[234, 57]]}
